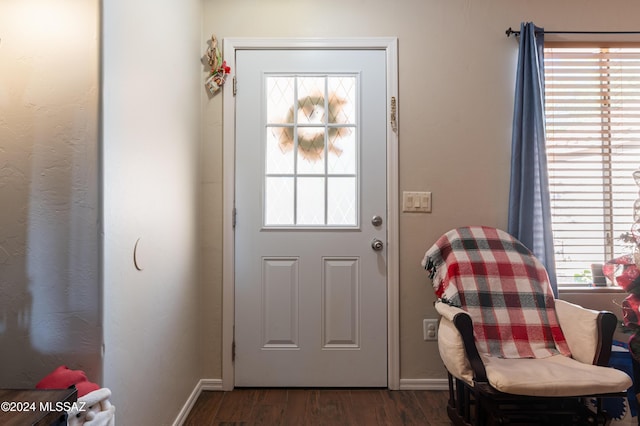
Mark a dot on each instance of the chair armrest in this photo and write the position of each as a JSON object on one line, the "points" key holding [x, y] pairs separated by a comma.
{"points": [[451, 338], [589, 333], [447, 311]]}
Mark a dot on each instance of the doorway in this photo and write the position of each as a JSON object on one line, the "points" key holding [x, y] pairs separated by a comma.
{"points": [[314, 250]]}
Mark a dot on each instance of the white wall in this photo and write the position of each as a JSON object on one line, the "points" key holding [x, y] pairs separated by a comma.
{"points": [[50, 310], [456, 69], [151, 92]]}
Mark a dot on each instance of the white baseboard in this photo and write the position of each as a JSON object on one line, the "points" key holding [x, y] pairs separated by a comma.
{"points": [[424, 384], [202, 385], [211, 384]]}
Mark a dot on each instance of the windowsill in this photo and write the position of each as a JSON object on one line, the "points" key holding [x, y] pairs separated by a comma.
{"points": [[590, 289]]}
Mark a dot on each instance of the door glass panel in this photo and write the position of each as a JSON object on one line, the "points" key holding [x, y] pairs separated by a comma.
{"points": [[280, 95], [311, 108], [341, 196], [342, 99], [311, 151], [279, 154], [310, 201], [342, 151], [279, 192]]}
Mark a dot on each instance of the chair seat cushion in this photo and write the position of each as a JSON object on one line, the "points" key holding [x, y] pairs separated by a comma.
{"points": [[557, 375]]}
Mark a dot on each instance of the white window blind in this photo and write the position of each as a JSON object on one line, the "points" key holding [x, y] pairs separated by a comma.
{"points": [[592, 105]]}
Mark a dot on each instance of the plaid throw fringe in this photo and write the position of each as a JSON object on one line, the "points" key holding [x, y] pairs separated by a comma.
{"points": [[504, 288]]}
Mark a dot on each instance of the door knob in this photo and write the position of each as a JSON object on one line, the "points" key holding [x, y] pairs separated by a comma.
{"points": [[376, 244]]}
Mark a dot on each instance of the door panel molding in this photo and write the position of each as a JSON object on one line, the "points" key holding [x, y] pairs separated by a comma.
{"points": [[340, 327], [280, 281], [387, 44]]}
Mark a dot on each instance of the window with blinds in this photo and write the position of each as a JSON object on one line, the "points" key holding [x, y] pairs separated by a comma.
{"points": [[592, 104]]}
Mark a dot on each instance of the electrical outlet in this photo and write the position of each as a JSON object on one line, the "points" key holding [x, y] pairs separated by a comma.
{"points": [[430, 329]]}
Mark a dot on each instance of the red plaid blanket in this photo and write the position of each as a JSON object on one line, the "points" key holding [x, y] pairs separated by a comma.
{"points": [[504, 288]]}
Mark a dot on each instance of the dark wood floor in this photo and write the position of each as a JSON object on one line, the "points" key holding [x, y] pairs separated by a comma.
{"points": [[320, 407]]}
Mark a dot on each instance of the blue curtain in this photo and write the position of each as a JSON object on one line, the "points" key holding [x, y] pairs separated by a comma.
{"points": [[529, 203]]}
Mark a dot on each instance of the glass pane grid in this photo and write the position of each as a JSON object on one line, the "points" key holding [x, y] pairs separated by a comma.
{"points": [[311, 153]]}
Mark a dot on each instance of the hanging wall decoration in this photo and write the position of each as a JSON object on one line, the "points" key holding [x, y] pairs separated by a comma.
{"points": [[219, 68]]}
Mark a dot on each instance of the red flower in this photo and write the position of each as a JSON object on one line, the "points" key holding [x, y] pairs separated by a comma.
{"points": [[629, 274], [630, 310]]}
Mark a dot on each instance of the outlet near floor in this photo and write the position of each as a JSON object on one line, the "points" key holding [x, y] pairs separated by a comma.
{"points": [[430, 329]]}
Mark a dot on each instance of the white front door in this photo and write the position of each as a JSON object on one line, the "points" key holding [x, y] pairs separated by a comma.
{"points": [[310, 287]]}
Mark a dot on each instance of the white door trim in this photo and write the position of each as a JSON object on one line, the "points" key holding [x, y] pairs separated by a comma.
{"points": [[390, 46]]}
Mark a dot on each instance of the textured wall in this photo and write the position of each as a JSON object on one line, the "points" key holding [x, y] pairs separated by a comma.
{"points": [[49, 245], [151, 140]]}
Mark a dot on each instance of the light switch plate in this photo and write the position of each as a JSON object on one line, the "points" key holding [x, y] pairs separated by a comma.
{"points": [[417, 202]]}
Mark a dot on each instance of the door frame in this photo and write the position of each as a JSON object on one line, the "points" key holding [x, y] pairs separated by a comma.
{"points": [[390, 46]]}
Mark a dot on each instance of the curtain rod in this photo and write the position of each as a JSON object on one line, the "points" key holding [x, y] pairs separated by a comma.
{"points": [[511, 32]]}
